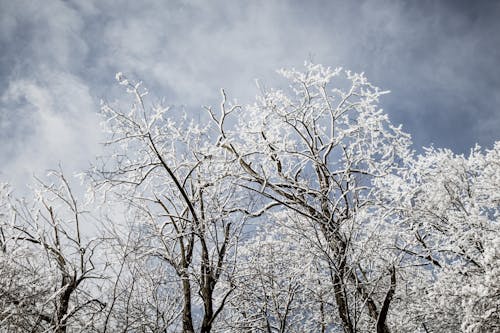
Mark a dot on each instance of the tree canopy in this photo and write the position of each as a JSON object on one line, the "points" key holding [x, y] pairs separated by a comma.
{"points": [[306, 211]]}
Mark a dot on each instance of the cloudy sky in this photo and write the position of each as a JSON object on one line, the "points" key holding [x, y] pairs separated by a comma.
{"points": [[58, 59]]}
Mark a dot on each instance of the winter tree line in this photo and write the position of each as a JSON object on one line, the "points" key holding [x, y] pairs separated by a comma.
{"points": [[306, 211]]}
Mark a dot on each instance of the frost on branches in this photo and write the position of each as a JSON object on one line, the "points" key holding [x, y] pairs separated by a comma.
{"points": [[179, 190], [48, 270], [449, 234], [315, 152], [306, 211]]}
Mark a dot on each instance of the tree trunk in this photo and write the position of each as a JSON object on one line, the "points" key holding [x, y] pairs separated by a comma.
{"points": [[60, 321], [207, 289], [187, 317], [382, 318]]}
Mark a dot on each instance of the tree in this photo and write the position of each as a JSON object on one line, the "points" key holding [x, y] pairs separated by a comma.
{"points": [[316, 153], [179, 189], [448, 209], [142, 296], [280, 283], [304, 212], [48, 265]]}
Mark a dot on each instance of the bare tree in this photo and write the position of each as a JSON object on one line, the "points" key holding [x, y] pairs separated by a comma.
{"points": [[181, 193], [48, 267], [350, 230], [143, 294], [279, 285], [316, 153]]}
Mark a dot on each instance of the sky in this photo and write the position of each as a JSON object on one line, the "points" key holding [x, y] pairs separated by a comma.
{"points": [[58, 59]]}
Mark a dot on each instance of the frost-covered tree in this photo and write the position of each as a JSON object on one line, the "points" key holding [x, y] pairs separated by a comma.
{"points": [[140, 295], [282, 283], [448, 230], [48, 270], [306, 211], [315, 151], [179, 190]]}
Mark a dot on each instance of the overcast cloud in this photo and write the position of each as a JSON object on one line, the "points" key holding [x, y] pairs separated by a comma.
{"points": [[440, 59]]}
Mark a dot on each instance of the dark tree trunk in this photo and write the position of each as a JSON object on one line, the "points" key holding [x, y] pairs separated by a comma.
{"points": [[382, 318], [207, 289], [187, 317], [69, 284]]}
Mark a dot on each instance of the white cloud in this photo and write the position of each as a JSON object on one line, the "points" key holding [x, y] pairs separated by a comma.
{"points": [[55, 125]]}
